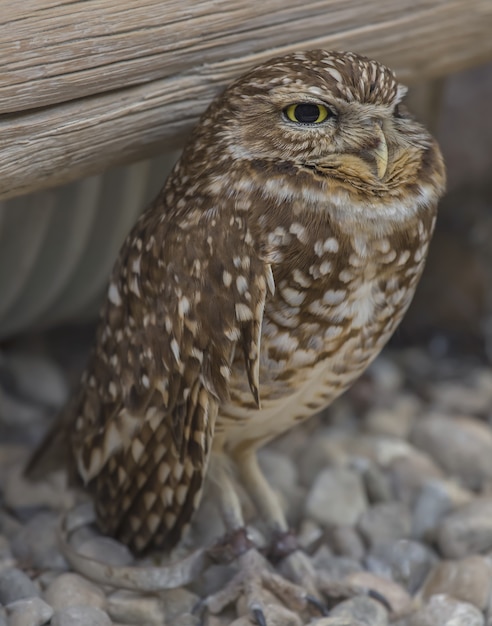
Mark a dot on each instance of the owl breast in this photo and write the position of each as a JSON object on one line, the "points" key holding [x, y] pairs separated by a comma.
{"points": [[329, 318]]}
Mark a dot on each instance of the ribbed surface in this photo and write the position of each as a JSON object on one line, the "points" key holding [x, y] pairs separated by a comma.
{"points": [[57, 247]]}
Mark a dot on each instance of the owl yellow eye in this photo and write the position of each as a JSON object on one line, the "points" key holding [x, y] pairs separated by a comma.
{"points": [[307, 113]]}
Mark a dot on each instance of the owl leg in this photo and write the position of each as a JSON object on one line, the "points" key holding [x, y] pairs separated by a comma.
{"points": [[254, 574]]}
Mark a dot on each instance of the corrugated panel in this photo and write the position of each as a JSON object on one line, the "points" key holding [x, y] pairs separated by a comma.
{"points": [[57, 247]]}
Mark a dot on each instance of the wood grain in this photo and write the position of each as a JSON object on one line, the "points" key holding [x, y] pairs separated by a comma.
{"points": [[85, 84]]}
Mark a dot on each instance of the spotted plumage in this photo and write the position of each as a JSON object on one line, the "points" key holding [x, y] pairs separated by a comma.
{"points": [[276, 262]]}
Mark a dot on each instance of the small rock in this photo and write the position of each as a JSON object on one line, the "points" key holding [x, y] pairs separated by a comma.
{"points": [[36, 543], [345, 541], [397, 421], [468, 580], [405, 561], [136, 608], [452, 396], [409, 473], [399, 600], [177, 602], [37, 378], [386, 375], [326, 449], [461, 445], [377, 484], [309, 533], [73, 590], [15, 585], [441, 610], [107, 550], [28, 612], [468, 530], [52, 492], [337, 497], [433, 503], [337, 567], [3, 616], [358, 611], [80, 616], [388, 521]]}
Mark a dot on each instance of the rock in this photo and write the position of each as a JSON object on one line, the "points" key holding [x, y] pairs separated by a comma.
{"points": [[396, 421], [73, 590], [434, 501], [405, 561], [51, 492], [80, 616], [345, 541], [376, 484], [459, 398], [441, 610], [107, 550], [409, 473], [3, 616], [36, 543], [388, 521], [358, 611], [28, 612], [337, 567], [336, 497], [327, 449], [460, 445], [468, 530], [177, 602], [135, 608], [398, 598], [275, 613], [16, 585], [37, 378], [468, 579], [309, 533], [385, 375]]}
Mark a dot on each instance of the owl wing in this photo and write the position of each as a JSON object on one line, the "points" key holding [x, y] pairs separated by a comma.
{"points": [[183, 299]]}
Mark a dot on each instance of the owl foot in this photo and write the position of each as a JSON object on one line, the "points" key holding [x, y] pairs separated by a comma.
{"points": [[251, 585]]}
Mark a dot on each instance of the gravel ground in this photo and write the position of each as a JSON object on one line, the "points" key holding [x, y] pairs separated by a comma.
{"points": [[390, 490]]}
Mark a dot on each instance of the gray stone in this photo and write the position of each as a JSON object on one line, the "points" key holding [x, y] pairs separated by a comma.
{"points": [[461, 445], [405, 561], [107, 550], [3, 616], [28, 612], [345, 541], [73, 590], [385, 522], [468, 530], [358, 611], [409, 473], [80, 616], [468, 580], [136, 608], [433, 503], [441, 610], [36, 543], [396, 421], [337, 567], [37, 378], [336, 497], [15, 585], [397, 597], [377, 484]]}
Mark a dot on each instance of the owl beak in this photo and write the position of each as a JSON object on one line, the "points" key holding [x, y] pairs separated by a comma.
{"points": [[380, 152]]}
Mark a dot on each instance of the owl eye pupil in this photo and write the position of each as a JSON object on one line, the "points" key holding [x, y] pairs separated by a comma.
{"points": [[306, 113]]}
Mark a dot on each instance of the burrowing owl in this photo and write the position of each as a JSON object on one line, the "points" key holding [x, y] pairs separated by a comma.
{"points": [[269, 272]]}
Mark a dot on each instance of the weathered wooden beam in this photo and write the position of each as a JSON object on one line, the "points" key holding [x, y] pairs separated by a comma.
{"points": [[85, 84]]}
